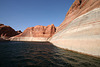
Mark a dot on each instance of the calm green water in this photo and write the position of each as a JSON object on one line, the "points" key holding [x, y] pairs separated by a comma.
{"points": [[42, 54]]}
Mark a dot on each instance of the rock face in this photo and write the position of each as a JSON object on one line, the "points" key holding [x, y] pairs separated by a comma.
{"points": [[80, 31], [7, 31], [19, 31], [37, 32], [78, 8]]}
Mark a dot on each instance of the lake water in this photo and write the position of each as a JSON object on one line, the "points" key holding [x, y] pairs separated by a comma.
{"points": [[42, 54]]}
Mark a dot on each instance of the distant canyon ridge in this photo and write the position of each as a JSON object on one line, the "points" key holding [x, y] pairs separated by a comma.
{"points": [[38, 31]]}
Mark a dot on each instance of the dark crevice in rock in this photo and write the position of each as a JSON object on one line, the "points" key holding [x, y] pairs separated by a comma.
{"points": [[80, 1]]}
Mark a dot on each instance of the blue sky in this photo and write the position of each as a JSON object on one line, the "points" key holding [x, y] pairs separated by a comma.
{"points": [[20, 14]]}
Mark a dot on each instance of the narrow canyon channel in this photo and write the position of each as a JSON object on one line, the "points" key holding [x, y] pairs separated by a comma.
{"points": [[42, 54]]}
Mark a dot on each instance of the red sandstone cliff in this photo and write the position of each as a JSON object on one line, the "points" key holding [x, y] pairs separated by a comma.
{"points": [[7, 31], [78, 8], [39, 31]]}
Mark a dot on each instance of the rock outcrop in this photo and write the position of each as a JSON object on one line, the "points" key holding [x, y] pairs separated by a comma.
{"points": [[6, 32], [80, 31], [19, 31], [36, 33], [78, 8]]}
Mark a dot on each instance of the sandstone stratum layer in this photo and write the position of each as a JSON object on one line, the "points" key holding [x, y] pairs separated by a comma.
{"points": [[6, 32], [80, 31], [37, 33], [78, 8]]}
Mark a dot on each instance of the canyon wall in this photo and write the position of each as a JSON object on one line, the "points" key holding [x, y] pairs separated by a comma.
{"points": [[78, 8], [37, 33], [6, 32], [80, 31]]}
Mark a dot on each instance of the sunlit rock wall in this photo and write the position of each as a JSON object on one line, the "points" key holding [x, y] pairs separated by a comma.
{"points": [[82, 34], [78, 8], [37, 33]]}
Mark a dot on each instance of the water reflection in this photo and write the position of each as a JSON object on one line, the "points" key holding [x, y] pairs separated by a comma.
{"points": [[43, 54]]}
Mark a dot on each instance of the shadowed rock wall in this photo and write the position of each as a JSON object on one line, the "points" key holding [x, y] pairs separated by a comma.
{"points": [[7, 31]]}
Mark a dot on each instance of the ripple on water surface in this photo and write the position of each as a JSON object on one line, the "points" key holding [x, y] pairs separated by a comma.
{"points": [[42, 54]]}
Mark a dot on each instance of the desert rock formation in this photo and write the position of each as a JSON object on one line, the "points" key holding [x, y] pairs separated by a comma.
{"points": [[78, 8], [36, 33], [19, 31], [7, 31], [80, 31]]}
